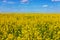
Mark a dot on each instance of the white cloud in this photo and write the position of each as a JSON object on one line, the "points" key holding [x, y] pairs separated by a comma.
{"points": [[55, 0], [24, 1], [45, 6], [9, 2]]}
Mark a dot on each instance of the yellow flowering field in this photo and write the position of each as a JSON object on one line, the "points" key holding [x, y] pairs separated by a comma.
{"points": [[29, 26]]}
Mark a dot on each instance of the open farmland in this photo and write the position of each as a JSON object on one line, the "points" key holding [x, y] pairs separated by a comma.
{"points": [[29, 26]]}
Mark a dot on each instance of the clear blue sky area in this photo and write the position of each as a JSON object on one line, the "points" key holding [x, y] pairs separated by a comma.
{"points": [[29, 5]]}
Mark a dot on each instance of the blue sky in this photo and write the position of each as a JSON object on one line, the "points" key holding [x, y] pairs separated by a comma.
{"points": [[30, 6]]}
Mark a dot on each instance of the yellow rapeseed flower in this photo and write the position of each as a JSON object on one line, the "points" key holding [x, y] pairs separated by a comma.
{"points": [[10, 36]]}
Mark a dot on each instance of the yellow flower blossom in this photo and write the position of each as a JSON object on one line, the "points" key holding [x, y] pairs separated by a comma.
{"points": [[10, 36]]}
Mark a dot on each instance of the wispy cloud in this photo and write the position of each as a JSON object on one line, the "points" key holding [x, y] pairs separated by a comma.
{"points": [[8, 2], [45, 6], [11, 2], [4, 1], [24, 1], [55, 0]]}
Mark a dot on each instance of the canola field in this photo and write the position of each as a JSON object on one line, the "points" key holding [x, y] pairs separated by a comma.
{"points": [[29, 26]]}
